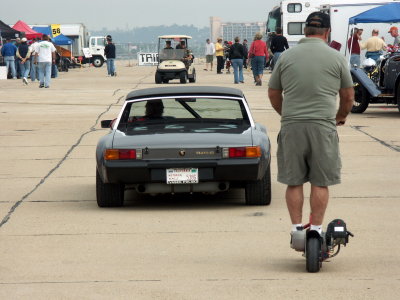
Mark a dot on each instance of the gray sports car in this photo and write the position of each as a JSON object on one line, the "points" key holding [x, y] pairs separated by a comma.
{"points": [[183, 140]]}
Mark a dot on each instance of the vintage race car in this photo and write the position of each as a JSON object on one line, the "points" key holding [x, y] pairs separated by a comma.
{"points": [[183, 140]]}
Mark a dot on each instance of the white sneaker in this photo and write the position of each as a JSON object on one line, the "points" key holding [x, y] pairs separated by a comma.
{"points": [[24, 80]]}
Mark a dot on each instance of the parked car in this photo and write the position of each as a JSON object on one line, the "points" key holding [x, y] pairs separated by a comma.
{"points": [[377, 83], [183, 140]]}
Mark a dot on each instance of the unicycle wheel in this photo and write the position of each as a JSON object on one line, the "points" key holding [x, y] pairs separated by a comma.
{"points": [[313, 254]]}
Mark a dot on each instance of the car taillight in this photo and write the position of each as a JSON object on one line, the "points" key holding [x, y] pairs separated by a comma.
{"points": [[235, 152], [122, 154]]}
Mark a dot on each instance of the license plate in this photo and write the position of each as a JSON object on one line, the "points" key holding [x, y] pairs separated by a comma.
{"points": [[182, 175]]}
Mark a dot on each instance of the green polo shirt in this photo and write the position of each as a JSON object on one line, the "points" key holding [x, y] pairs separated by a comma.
{"points": [[310, 76]]}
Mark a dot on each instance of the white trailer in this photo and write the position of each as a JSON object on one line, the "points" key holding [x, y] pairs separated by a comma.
{"points": [[291, 15]]}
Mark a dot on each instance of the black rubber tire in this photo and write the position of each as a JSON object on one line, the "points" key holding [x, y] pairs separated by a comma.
{"points": [[158, 78], [183, 77], [165, 80], [98, 61], [192, 80], [107, 194], [398, 96], [259, 192], [361, 98], [313, 255]]}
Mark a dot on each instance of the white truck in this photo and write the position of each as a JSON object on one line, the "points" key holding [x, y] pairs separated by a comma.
{"points": [[291, 15], [79, 34]]}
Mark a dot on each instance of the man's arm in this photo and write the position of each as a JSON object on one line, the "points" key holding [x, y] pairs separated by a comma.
{"points": [[276, 99], [346, 103]]}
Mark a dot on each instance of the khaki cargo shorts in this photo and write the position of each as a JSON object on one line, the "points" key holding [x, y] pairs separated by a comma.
{"points": [[308, 152], [209, 58]]}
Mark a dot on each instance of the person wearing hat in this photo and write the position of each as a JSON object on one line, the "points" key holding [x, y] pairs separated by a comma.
{"points": [[24, 54], [303, 89], [394, 32], [374, 45], [34, 67]]}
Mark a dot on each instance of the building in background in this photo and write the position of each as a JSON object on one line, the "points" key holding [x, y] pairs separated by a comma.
{"points": [[229, 30]]}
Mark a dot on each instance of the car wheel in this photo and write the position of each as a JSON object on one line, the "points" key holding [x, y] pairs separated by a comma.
{"points": [[183, 77], [193, 79], [398, 96], [98, 61], [361, 98], [109, 194], [158, 78], [165, 80], [259, 192]]}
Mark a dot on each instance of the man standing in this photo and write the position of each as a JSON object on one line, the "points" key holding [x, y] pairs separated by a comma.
{"points": [[210, 51], [374, 45], [303, 90], [219, 53], [394, 32], [34, 67], [278, 45], [109, 52], [246, 53], [45, 56], [354, 47], [8, 51], [24, 54]]}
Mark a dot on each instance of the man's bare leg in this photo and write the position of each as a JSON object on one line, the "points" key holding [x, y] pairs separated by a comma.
{"points": [[318, 201], [294, 202], [211, 66]]}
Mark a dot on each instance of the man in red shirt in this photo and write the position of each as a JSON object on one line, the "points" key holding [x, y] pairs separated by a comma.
{"points": [[354, 47]]}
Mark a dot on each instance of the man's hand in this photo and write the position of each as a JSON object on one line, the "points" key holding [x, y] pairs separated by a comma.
{"points": [[346, 103]]}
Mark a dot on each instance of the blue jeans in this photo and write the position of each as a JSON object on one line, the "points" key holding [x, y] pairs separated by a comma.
{"points": [[355, 60], [257, 64], [45, 73], [10, 63], [237, 64], [373, 54], [275, 59], [54, 71], [110, 66], [25, 68]]}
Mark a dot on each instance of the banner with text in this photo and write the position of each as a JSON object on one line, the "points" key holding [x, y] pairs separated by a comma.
{"points": [[147, 59], [55, 30]]}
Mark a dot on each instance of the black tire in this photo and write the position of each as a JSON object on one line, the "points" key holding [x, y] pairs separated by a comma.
{"points": [[259, 192], [107, 194], [361, 98], [98, 61], [194, 77], [313, 254], [158, 78], [183, 77], [398, 96], [165, 80]]}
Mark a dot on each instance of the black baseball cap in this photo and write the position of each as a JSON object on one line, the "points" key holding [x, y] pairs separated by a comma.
{"points": [[319, 20]]}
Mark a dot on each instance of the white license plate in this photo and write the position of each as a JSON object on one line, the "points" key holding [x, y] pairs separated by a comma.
{"points": [[182, 175]]}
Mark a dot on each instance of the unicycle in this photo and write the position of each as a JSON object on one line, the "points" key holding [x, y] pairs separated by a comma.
{"points": [[318, 248]]}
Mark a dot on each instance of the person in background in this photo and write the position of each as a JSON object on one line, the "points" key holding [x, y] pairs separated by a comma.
{"points": [[303, 90], [246, 53], [168, 45], [16, 61], [258, 54], [278, 44], [227, 46], [54, 68], [45, 56], [219, 53], [34, 67], [8, 51], [210, 51], [23, 54], [354, 44], [109, 52], [374, 45], [394, 32], [236, 56]]}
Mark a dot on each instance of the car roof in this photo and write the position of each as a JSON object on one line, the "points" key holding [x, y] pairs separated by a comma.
{"points": [[186, 90], [174, 36]]}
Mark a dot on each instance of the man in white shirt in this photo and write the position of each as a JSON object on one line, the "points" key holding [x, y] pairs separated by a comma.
{"points": [[210, 51], [34, 68], [45, 56]]}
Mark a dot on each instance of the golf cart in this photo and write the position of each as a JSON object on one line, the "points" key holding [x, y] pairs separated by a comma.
{"points": [[174, 59]]}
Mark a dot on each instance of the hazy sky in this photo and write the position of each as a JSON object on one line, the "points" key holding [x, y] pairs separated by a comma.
{"points": [[96, 14]]}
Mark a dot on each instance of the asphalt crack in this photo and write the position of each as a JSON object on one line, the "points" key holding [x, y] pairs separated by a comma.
{"points": [[72, 148], [391, 147]]}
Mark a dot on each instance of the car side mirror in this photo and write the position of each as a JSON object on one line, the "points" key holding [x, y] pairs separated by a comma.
{"points": [[106, 123]]}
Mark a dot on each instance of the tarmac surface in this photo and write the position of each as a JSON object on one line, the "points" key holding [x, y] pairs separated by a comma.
{"points": [[56, 243]]}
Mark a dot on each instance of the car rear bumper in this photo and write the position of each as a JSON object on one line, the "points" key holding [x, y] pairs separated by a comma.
{"points": [[231, 170]]}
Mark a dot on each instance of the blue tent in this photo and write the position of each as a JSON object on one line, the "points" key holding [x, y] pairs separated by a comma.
{"points": [[44, 30], [62, 40], [389, 13]]}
